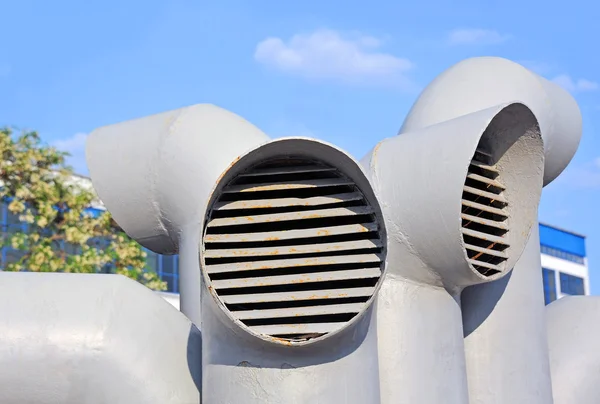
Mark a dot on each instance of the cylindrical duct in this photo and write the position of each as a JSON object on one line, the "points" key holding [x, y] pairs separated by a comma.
{"points": [[505, 335], [459, 199], [294, 247], [155, 174], [469, 86], [573, 335]]}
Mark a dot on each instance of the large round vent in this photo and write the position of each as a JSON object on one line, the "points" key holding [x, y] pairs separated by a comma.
{"points": [[484, 216], [292, 249]]}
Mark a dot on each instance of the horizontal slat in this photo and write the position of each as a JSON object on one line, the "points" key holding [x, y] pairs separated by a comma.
{"points": [[288, 202], [295, 249], [485, 194], [293, 262], [488, 251], [486, 208], [298, 184], [291, 234], [289, 216], [486, 222], [486, 180], [299, 278], [484, 166], [295, 296], [485, 236], [300, 311], [486, 265], [287, 170], [298, 329]]}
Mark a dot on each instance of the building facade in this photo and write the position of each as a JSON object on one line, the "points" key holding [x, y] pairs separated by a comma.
{"points": [[564, 263]]}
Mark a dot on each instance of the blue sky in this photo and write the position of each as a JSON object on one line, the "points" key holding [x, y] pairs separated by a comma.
{"points": [[343, 71]]}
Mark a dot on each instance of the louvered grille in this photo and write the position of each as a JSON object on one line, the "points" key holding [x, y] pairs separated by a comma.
{"points": [[293, 249], [484, 216]]}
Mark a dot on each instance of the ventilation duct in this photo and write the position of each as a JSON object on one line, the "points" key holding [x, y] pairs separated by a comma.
{"points": [[154, 174], [462, 221], [515, 314], [293, 250]]}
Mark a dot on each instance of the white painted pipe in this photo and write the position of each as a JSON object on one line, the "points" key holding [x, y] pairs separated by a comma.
{"points": [[469, 86], [573, 335], [94, 339], [244, 365], [419, 178], [155, 175], [516, 300]]}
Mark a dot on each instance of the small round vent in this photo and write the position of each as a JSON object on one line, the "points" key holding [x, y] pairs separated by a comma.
{"points": [[484, 216], [292, 249]]}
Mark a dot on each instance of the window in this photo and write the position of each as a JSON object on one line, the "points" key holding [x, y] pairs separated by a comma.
{"points": [[571, 285], [563, 255], [549, 279]]}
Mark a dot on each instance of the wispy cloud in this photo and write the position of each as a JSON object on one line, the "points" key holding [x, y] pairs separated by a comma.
{"points": [[575, 85], [476, 36], [74, 145], [328, 54]]}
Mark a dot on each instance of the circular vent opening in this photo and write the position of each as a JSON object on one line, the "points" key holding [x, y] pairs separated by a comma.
{"points": [[484, 216], [292, 249]]}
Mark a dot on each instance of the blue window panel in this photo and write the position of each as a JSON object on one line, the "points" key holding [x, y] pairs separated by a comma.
{"points": [[562, 255], [171, 282], [549, 280], [571, 285], [562, 240], [168, 264]]}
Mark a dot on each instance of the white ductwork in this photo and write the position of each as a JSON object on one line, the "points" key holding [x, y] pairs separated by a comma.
{"points": [[472, 85], [293, 252], [459, 199], [573, 335], [94, 339], [155, 174]]}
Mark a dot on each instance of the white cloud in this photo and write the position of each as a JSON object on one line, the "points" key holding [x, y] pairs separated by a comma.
{"points": [[74, 145], [575, 86], [327, 54], [476, 36]]}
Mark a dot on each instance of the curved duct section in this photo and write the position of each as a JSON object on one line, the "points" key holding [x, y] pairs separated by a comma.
{"points": [[507, 312], [155, 174], [465, 219], [459, 199], [483, 82], [82, 338], [293, 253], [573, 334]]}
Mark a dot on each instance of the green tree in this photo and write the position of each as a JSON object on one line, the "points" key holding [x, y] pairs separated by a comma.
{"points": [[62, 234]]}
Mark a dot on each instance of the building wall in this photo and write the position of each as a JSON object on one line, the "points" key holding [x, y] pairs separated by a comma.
{"points": [[564, 263]]}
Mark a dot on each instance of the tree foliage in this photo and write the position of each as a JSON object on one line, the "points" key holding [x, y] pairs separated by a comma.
{"points": [[61, 234]]}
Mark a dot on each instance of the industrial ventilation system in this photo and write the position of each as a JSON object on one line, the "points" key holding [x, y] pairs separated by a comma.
{"points": [[485, 216], [292, 249]]}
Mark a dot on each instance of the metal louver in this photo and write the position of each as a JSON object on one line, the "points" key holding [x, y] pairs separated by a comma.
{"points": [[292, 249], [484, 216]]}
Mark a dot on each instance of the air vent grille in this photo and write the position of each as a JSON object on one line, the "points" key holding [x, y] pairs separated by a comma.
{"points": [[484, 216], [292, 249]]}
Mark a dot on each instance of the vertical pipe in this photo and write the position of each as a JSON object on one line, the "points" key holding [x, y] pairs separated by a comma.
{"points": [[239, 368], [505, 335], [421, 345], [189, 274]]}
